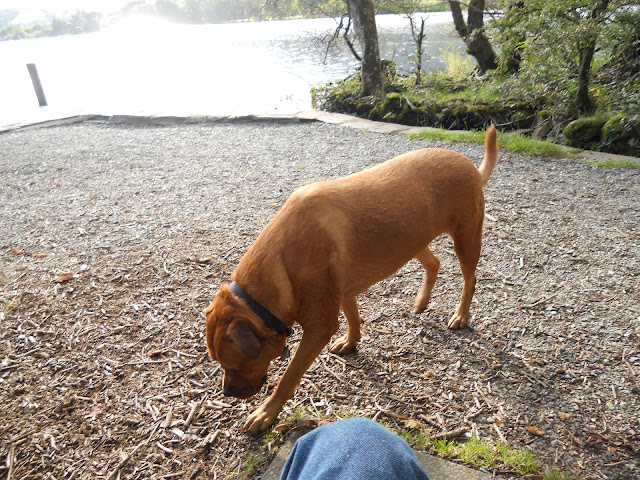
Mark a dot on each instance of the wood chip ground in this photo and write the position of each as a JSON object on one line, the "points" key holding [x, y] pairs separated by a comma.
{"points": [[113, 239]]}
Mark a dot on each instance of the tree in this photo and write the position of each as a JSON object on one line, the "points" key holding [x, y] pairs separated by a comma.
{"points": [[586, 49], [364, 17], [408, 8], [558, 41], [473, 34], [418, 37]]}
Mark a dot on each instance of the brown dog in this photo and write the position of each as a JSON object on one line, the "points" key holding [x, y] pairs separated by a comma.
{"points": [[331, 241]]}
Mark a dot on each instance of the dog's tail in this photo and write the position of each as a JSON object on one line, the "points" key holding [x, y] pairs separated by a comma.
{"points": [[490, 155]]}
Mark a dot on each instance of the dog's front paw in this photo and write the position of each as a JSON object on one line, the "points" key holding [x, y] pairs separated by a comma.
{"points": [[344, 345], [260, 420], [458, 321]]}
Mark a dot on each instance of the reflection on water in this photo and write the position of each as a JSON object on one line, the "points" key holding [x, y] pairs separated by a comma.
{"points": [[144, 65]]}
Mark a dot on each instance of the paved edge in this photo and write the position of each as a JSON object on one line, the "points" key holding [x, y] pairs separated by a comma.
{"points": [[305, 116], [436, 468]]}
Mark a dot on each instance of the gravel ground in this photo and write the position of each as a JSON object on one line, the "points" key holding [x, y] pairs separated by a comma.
{"points": [[114, 238]]}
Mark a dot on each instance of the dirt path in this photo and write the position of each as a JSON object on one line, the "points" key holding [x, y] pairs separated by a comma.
{"points": [[114, 238]]}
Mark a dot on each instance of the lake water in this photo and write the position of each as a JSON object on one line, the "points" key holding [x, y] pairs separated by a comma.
{"points": [[146, 66]]}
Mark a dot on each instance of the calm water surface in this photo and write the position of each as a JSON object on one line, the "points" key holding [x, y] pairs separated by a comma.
{"points": [[144, 65]]}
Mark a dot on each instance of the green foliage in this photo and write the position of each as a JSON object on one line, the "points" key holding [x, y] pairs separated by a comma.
{"points": [[80, 22], [546, 39], [610, 163], [522, 144]]}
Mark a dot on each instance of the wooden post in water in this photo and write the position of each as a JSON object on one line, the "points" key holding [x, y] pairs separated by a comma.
{"points": [[35, 79]]}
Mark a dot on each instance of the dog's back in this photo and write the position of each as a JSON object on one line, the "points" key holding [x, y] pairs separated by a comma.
{"points": [[376, 220]]}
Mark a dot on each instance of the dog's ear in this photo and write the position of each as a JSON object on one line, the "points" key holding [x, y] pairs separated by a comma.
{"points": [[244, 337]]}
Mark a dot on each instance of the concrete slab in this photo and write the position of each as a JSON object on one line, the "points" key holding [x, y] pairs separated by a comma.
{"points": [[310, 115], [437, 468], [336, 118], [276, 466], [440, 469]]}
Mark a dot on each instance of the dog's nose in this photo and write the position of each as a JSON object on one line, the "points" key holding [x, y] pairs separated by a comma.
{"points": [[226, 391]]}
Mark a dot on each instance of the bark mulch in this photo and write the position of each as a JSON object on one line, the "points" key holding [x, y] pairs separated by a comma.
{"points": [[114, 238]]}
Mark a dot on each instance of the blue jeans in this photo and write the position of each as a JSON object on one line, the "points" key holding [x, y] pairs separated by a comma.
{"points": [[353, 449]]}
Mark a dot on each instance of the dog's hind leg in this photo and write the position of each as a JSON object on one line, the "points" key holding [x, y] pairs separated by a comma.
{"points": [[467, 249], [431, 265], [348, 342]]}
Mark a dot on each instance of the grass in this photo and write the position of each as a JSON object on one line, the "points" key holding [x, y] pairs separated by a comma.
{"points": [[508, 141], [616, 163], [555, 475], [518, 143], [249, 466], [492, 456]]}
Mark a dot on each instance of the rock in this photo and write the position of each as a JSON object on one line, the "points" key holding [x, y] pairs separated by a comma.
{"points": [[584, 132], [621, 135]]}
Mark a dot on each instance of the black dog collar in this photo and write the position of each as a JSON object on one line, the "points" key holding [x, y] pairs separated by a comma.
{"points": [[269, 319]]}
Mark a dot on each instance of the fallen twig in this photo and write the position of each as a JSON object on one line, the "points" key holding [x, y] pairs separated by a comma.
{"points": [[458, 432], [163, 448], [166, 423], [629, 366], [210, 439], [499, 432], [11, 460], [194, 411], [130, 455], [125, 460], [538, 302]]}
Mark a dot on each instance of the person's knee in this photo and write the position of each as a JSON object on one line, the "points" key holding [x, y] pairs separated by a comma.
{"points": [[345, 448]]}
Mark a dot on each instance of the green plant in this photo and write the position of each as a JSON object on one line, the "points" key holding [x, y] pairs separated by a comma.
{"points": [[416, 437], [522, 460], [552, 474], [444, 447], [616, 163], [522, 144], [513, 142], [270, 436], [457, 64], [478, 453], [250, 465], [343, 414]]}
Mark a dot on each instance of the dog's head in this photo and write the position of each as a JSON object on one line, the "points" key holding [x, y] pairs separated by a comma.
{"points": [[241, 343]]}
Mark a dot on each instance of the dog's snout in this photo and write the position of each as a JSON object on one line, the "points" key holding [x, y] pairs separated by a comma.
{"points": [[240, 387]]}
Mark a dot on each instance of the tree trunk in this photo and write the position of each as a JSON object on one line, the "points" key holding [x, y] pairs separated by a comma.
{"points": [[472, 33], [364, 17], [583, 101], [514, 59], [418, 37]]}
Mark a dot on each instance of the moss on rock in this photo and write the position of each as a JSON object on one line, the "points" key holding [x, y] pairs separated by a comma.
{"points": [[584, 132], [621, 135]]}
